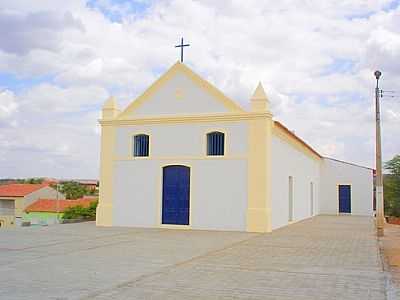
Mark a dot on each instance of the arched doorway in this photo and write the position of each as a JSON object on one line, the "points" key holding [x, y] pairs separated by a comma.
{"points": [[176, 195]]}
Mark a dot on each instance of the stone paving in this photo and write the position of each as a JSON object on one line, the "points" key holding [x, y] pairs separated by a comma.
{"points": [[326, 257]]}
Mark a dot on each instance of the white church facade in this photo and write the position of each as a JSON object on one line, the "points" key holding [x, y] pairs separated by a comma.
{"points": [[184, 155]]}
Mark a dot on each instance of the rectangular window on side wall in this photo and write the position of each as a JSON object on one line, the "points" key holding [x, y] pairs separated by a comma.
{"points": [[141, 145]]}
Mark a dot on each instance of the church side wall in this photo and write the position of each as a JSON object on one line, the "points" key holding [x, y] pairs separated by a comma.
{"points": [[334, 173], [287, 161], [218, 185]]}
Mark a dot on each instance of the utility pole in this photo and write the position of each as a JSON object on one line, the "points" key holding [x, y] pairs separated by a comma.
{"points": [[378, 160]]}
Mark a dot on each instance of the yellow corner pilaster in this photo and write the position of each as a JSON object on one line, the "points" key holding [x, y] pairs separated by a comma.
{"points": [[104, 208], [259, 165], [259, 175]]}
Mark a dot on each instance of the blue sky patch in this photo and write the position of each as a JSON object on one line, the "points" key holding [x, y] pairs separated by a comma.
{"points": [[339, 65], [392, 5], [116, 10], [11, 82]]}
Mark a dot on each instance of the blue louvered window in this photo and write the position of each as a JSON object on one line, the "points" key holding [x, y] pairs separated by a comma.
{"points": [[141, 145], [215, 143]]}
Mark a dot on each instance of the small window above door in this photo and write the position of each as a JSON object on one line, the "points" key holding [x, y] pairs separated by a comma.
{"points": [[141, 145], [215, 143]]}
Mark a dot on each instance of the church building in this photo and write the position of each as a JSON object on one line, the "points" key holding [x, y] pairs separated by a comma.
{"points": [[184, 155]]}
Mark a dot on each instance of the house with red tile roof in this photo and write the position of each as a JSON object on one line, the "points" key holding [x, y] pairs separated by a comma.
{"points": [[15, 197], [89, 184], [50, 211]]}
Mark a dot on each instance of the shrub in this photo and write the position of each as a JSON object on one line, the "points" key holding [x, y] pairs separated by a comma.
{"points": [[391, 187], [79, 212]]}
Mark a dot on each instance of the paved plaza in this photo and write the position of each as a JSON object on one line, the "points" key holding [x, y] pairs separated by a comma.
{"points": [[326, 257]]}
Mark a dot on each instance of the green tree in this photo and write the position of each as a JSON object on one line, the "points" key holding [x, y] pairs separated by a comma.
{"points": [[393, 165], [30, 180], [391, 187], [72, 189], [35, 180]]}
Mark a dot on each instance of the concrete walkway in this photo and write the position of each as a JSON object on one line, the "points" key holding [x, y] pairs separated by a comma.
{"points": [[321, 258]]}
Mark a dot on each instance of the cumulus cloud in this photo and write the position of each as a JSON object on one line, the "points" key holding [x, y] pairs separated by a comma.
{"points": [[315, 59], [51, 98], [8, 104], [39, 30]]}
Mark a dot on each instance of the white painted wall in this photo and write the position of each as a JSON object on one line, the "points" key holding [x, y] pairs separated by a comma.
{"points": [[333, 173], [182, 140], [287, 161], [135, 190], [180, 95], [220, 194], [218, 185]]}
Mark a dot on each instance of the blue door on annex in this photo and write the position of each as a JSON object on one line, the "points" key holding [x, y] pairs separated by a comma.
{"points": [[344, 199], [176, 195]]}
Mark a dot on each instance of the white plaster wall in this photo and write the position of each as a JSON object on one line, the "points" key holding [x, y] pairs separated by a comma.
{"points": [[180, 95], [218, 193], [287, 161], [218, 185], [135, 189], [334, 173], [182, 140]]}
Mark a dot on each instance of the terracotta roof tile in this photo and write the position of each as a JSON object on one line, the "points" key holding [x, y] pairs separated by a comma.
{"points": [[19, 189], [50, 205], [297, 138]]}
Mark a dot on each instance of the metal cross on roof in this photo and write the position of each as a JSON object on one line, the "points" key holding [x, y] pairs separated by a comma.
{"points": [[181, 46]]}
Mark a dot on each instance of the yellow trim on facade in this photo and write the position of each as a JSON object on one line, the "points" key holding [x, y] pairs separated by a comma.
{"points": [[259, 176], [186, 158], [104, 208], [160, 195], [179, 67], [222, 117], [283, 135]]}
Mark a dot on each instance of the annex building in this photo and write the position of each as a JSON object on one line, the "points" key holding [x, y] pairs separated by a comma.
{"points": [[184, 155]]}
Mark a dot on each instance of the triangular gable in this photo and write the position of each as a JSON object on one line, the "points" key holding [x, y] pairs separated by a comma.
{"points": [[180, 91]]}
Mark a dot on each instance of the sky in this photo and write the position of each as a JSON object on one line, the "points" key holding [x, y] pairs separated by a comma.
{"points": [[60, 61]]}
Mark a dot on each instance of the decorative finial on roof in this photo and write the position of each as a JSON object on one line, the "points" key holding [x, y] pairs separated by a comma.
{"points": [[110, 108], [259, 93], [110, 103], [259, 100]]}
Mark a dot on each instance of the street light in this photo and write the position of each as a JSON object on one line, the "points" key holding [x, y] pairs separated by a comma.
{"points": [[378, 160]]}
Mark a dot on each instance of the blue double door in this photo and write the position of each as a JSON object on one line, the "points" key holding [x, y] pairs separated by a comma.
{"points": [[176, 195], [344, 199]]}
